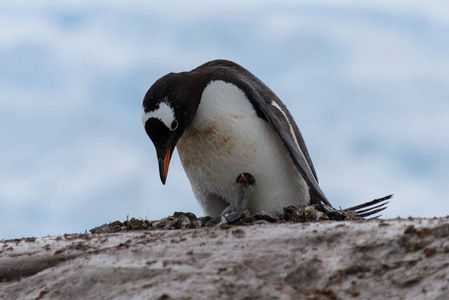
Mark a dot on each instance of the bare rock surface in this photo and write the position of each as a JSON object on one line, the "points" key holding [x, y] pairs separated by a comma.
{"points": [[374, 259]]}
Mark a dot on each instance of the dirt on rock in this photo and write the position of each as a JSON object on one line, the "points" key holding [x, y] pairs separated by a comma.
{"points": [[362, 259]]}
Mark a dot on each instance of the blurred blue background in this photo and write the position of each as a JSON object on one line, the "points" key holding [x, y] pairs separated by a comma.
{"points": [[367, 82]]}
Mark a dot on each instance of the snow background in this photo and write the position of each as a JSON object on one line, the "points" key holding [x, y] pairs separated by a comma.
{"points": [[367, 82]]}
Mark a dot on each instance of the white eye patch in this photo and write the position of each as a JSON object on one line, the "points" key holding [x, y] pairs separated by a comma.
{"points": [[164, 113]]}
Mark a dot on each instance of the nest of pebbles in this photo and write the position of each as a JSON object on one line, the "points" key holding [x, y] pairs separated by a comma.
{"points": [[187, 220]]}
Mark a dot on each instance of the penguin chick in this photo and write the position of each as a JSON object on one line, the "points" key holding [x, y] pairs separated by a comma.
{"points": [[244, 186]]}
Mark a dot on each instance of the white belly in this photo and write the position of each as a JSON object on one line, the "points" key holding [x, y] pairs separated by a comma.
{"points": [[227, 138]]}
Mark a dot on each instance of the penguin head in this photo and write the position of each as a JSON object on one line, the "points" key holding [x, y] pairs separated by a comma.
{"points": [[246, 181], [168, 109]]}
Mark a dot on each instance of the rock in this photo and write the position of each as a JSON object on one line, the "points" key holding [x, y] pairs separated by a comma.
{"points": [[189, 215], [238, 218], [217, 221], [293, 214], [165, 223], [269, 216], [368, 259], [135, 224], [183, 222], [200, 222], [352, 216], [312, 214], [107, 228]]}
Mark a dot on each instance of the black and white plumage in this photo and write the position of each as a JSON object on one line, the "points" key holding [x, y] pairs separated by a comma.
{"points": [[225, 121]]}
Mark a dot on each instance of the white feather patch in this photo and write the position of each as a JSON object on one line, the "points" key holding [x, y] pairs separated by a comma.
{"points": [[164, 113]]}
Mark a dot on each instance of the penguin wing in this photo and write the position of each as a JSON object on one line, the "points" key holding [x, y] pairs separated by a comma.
{"points": [[270, 108], [280, 119]]}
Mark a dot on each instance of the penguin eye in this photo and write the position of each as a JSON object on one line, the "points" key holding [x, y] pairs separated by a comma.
{"points": [[174, 125]]}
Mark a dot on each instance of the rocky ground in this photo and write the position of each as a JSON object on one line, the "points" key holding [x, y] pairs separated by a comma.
{"points": [[181, 257]]}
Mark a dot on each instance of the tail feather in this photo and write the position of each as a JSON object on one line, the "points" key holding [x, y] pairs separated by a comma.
{"points": [[370, 208], [370, 213], [361, 211]]}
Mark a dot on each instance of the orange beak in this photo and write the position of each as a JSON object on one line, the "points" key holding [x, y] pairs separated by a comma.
{"points": [[164, 162], [243, 179], [167, 160]]}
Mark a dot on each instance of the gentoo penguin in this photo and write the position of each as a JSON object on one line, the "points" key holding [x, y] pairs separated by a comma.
{"points": [[225, 121]]}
